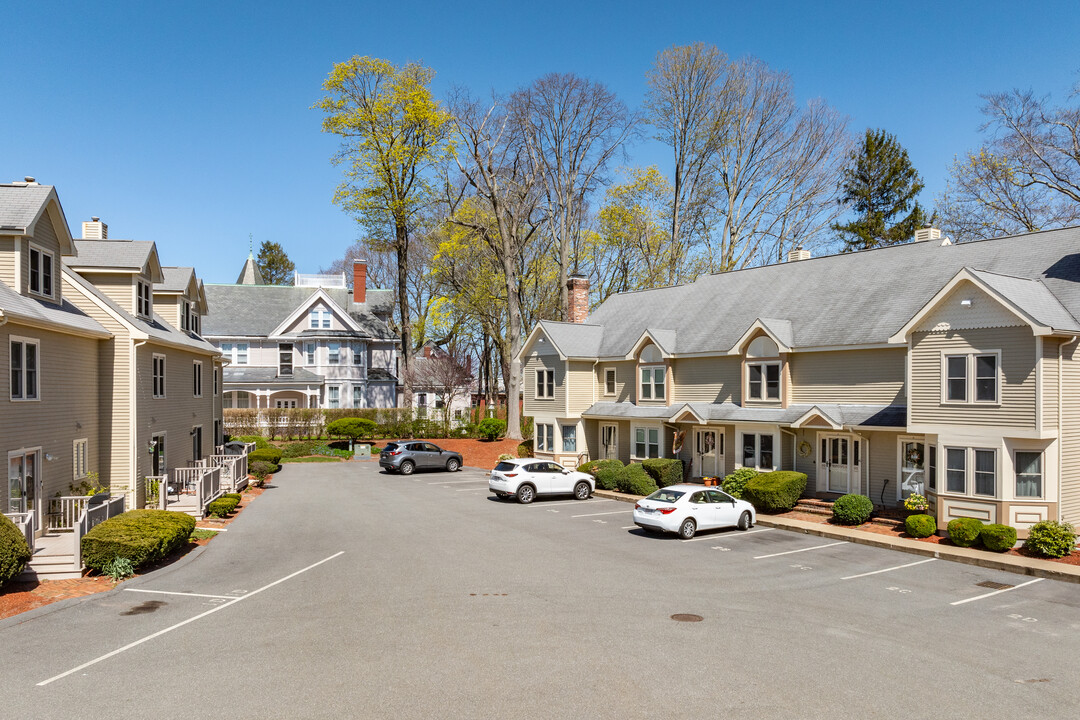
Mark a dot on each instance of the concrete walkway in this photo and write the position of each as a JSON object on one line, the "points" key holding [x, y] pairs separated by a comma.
{"points": [[971, 556]]}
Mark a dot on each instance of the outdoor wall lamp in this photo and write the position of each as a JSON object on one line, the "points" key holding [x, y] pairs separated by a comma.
{"points": [[50, 457], [150, 446]]}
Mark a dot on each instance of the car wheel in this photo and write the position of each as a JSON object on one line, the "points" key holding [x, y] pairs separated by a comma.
{"points": [[687, 529], [407, 467], [452, 465], [744, 521], [581, 491], [526, 494]]}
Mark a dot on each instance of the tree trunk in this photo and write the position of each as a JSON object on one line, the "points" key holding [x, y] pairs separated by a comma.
{"points": [[402, 237], [513, 370], [564, 262]]}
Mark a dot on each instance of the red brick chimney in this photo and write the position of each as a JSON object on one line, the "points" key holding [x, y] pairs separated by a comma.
{"points": [[579, 298], [359, 281]]}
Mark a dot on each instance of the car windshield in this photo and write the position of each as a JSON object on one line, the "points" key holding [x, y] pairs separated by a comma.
{"points": [[504, 466], [665, 495]]}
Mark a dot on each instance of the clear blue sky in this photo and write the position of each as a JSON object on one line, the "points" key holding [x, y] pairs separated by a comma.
{"points": [[190, 124]]}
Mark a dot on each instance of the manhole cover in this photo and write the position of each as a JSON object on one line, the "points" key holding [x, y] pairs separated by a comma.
{"points": [[686, 617], [994, 585]]}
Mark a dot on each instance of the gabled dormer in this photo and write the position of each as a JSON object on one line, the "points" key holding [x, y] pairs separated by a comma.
{"points": [[181, 299], [34, 235], [125, 271], [317, 314], [764, 349]]}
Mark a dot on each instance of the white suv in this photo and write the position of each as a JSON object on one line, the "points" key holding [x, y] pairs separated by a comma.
{"points": [[528, 477]]}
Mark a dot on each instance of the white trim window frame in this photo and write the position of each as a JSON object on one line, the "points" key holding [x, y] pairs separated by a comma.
{"points": [[569, 437], [358, 396], [545, 437], [758, 447], [24, 362], [285, 359], [185, 315], [217, 381], [144, 306], [333, 353], [319, 318], [545, 384], [1029, 473], [646, 441], [981, 474], [652, 382], [357, 351], [42, 263], [309, 354], [610, 381], [975, 467], [333, 396], [196, 378], [956, 465], [158, 374], [966, 378], [79, 458], [762, 378]]}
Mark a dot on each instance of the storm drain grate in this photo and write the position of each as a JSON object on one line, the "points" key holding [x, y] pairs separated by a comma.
{"points": [[686, 617], [994, 585]]}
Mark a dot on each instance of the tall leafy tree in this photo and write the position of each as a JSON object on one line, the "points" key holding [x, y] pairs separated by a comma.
{"points": [[274, 264], [393, 134], [880, 185]]}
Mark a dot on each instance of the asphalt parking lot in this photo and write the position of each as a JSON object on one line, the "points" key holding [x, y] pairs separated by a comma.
{"points": [[347, 592]]}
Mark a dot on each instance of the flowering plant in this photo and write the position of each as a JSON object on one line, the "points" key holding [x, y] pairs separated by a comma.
{"points": [[915, 501]]}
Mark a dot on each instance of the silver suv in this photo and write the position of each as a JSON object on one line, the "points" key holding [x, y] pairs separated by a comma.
{"points": [[408, 455]]}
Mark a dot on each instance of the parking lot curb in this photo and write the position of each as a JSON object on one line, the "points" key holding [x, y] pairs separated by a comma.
{"points": [[981, 558]]}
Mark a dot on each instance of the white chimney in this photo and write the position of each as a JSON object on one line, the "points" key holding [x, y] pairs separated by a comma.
{"points": [[927, 232], [798, 254], [95, 230]]}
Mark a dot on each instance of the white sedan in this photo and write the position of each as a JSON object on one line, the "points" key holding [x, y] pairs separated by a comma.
{"points": [[685, 509], [526, 478]]}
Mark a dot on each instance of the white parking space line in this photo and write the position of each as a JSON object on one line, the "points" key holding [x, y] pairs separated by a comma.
{"points": [[211, 611], [469, 489], [790, 552], [458, 482], [628, 527], [727, 536], [189, 594], [557, 503], [613, 512], [898, 567], [995, 592]]}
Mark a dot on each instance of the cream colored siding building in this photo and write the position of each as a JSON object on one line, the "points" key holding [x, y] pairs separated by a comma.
{"points": [[951, 373]]}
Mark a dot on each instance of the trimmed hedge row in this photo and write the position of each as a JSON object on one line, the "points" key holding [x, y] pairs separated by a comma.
{"points": [[141, 536], [775, 492], [222, 506], [635, 480], [271, 455], [664, 471], [735, 483], [14, 553]]}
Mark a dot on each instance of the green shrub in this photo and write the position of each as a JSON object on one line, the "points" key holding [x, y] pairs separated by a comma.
{"points": [[920, 526], [118, 569], [222, 506], [1051, 538], [965, 531], [607, 474], [261, 443], [140, 536], [735, 483], [588, 467], [998, 538], [271, 455], [525, 449], [261, 468], [233, 495], [354, 428], [491, 428], [664, 471], [775, 491], [298, 449], [14, 552], [505, 456], [633, 480], [852, 509]]}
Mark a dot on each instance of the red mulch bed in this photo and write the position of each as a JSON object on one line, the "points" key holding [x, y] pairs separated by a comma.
{"points": [[896, 529], [18, 597], [476, 453]]}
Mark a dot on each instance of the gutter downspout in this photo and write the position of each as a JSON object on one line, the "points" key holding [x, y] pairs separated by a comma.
{"points": [[134, 423], [1061, 416]]}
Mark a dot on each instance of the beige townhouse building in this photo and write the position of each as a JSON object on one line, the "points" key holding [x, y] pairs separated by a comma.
{"points": [[943, 369]]}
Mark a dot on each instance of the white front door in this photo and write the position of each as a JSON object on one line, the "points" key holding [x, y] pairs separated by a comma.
{"points": [[24, 485], [609, 442], [838, 464], [912, 477], [706, 451]]}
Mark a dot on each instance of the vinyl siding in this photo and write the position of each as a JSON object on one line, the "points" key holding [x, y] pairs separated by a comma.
{"points": [[1070, 434], [555, 407], [1049, 382], [854, 376], [581, 389], [7, 261], [624, 379], [168, 307], [1017, 391], [713, 380], [117, 287], [68, 383], [882, 450]]}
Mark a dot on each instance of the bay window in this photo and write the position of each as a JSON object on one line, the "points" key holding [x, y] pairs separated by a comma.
{"points": [[569, 438], [1029, 474], [545, 437]]}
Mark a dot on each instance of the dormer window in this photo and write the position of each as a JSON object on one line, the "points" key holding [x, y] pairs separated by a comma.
{"points": [[41, 272], [652, 373], [185, 316], [319, 318], [143, 307], [762, 371]]}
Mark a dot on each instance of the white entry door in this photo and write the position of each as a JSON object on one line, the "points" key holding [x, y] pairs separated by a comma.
{"points": [[609, 442], [285, 403], [912, 477], [707, 449], [838, 464], [24, 485]]}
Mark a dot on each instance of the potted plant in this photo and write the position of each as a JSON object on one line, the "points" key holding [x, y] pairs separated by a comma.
{"points": [[916, 503]]}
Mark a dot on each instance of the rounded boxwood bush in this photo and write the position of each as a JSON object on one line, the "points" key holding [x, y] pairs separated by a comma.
{"points": [[607, 474], [852, 509], [222, 506], [920, 526], [354, 428], [965, 531], [1051, 539], [14, 553], [633, 480], [735, 483], [141, 536], [997, 537], [491, 428], [775, 492], [664, 471], [261, 443], [271, 455]]}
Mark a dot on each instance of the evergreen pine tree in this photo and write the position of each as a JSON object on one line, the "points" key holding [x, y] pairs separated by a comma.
{"points": [[274, 264], [880, 184]]}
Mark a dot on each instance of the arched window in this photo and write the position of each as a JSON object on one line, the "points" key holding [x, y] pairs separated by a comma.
{"points": [[762, 347], [762, 378]]}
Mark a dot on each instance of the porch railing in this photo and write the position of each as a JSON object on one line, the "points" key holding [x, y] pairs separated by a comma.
{"points": [[233, 471], [93, 515], [154, 487], [208, 488], [64, 511], [24, 521]]}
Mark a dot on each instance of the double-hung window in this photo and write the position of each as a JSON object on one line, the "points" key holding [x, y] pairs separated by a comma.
{"points": [[24, 369], [1029, 474], [956, 470], [333, 396], [236, 353], [545, 437], [319, 318], [285, 359], [609, 381], [758, 451], [545, 384], [159, 376], [985, 472], [335, 353], [569, 438], [41, 272], [357, 396], [763, 381], [646, 442], [196, 379], [185, 316], [143, 306], [309, 353], [931, 467], [653, 382], [217, 381], [357, 350], [971, 378]]}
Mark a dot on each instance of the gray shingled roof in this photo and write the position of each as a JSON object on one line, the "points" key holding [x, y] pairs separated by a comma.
{"points": [[1032, 297], [850, 299], [864, 415], [380, 375], [176, 279], [18, 307], [256, 310], [20, 204], [126, 254], [245, 374], [574, 339]]}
